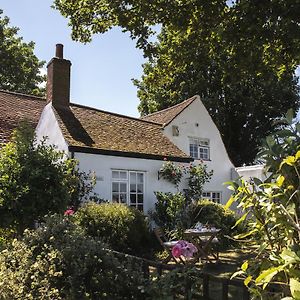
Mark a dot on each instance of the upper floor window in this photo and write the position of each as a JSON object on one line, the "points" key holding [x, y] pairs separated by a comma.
{"points": [[199, 148], [128, 187]]}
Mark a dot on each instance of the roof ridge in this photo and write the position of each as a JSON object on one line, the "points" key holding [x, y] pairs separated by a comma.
{"points": [[23, 95], [171, 107], [115, 114]]}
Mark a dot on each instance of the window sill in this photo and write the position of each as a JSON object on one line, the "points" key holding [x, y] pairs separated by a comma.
{"points": [[201, 159]]}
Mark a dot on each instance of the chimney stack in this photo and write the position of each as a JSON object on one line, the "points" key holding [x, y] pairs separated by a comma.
{"points": [[58, 79]]}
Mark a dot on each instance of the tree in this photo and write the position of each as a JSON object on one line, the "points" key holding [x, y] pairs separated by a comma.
{"points": [[20, 68], [240, 58], [35, 180]]}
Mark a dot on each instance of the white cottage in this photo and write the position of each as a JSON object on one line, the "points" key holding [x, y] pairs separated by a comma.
{"points": [[126, 153]]}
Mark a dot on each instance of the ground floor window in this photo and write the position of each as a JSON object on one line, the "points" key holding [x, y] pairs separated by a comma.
{"points": [[213, 196], [128, 188]]}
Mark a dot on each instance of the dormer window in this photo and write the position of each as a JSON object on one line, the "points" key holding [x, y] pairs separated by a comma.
{"points": [[199, 148]]}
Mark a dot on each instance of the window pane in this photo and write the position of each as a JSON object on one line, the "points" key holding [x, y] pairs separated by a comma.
{"points": [[123, 175], [206, 195], [140, 207], [132, 198], [203, 153], [193, 151], [140, 188], [140, 198], [115, 197], [132, 188], [140, 178], [123, 187], [132, 177], [123, 198], [115, 187], [115, 174]]}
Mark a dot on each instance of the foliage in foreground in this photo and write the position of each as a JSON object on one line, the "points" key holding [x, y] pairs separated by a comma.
{"points": [[176, 283], [273, 210], [20, 68], [58, 261], [123, 228], [35, 180]]}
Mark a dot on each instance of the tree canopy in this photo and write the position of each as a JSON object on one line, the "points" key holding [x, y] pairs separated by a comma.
{"points": [[20, 68], [239, 57]]}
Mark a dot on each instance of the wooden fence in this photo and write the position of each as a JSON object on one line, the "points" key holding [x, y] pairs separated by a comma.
{"points": [[152, 269]]}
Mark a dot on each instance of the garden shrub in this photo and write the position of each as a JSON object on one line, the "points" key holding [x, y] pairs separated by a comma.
{"points": [[198, 176], [177, 284], [169, 211], [124, 228], [36, 179], [6, 236], [215, 214], [58, 261]]}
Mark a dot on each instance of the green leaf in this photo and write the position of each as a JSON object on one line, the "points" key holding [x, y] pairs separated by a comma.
{"points": [[290, 160], [229, 202], [280, 180], [295, 288], [270, 141], [241, 219], [267, 275], [243, 235], [237, 273], [244, 266], [289, 256], [247, 280], [289, 116]]}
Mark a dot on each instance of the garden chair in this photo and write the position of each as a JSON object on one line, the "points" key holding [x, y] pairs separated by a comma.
{"points": [[167, 245]]}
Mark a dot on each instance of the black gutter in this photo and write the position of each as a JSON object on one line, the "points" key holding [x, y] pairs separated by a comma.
{"points": [[128, 154]]}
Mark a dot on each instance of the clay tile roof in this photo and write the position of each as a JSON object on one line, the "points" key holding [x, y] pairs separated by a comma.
{"points": [[88, 129], [14, 108], [165, 116]]}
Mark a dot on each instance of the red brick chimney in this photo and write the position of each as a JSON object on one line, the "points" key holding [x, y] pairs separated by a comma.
{"points": [[58, 79]]}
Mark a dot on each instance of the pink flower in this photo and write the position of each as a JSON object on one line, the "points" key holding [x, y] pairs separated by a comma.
{"points": [[189, 250], [176, 250], [165, 159], [69, 212], [184, 248]]}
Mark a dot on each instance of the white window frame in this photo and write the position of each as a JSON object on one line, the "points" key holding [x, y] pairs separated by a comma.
{"points": [[199, 148], [214, 196], [138, 203]]}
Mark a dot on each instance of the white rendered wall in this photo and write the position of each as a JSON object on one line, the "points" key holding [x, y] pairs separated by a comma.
{"points": [[195, 121], [248, 172], [49, 127], [103, 165]]}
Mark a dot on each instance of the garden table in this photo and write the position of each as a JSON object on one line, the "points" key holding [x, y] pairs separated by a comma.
{"points": [[203, 240]]}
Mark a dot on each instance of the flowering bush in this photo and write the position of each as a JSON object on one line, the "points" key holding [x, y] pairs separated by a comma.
{"points": [[69, 212], [184, 248], [171, 172]]}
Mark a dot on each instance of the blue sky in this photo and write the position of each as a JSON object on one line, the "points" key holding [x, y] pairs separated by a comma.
{"points": [[101, 70]]}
